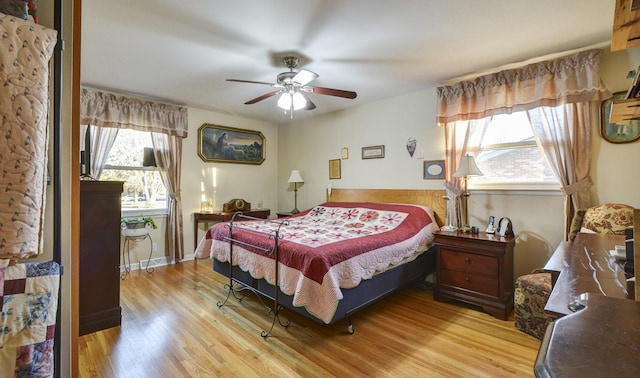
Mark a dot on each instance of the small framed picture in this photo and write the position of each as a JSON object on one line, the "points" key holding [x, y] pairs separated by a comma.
{"points": [[373, 152], [334, 169], [433, 169]]}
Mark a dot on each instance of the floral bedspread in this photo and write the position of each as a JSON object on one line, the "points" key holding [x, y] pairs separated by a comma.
{"points": [[331, 246], [29, 295]]}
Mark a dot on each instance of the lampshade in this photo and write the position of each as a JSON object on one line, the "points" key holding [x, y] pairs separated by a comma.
{"points": [[467, 167], [148, 158], [298, 100], [295, 176]]}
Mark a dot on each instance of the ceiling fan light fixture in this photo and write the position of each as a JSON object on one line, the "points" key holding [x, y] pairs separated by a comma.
{"points": [[287, 99]]}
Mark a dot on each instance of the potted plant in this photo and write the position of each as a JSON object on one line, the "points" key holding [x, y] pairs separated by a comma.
{"points": [[137, 226]]}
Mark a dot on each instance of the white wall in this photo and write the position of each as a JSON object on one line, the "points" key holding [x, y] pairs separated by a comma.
{"points": [[308, 145], [615, 172], [253, 183]]}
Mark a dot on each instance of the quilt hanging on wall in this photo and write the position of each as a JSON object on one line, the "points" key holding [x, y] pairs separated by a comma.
{"points": [[25, 50]]}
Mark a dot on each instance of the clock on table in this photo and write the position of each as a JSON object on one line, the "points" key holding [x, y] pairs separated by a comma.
{"points": [[236, 204]]}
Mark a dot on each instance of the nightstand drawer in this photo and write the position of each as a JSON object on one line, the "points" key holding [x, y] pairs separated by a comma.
{"points": [[469, 262], [469, 281]]}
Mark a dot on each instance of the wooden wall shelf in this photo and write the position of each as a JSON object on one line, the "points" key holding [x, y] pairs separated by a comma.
{"points": [[626, 25], [624, 110]]}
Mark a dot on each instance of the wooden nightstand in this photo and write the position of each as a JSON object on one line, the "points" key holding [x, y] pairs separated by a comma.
{"points": [[284, 214], [475, 269]]}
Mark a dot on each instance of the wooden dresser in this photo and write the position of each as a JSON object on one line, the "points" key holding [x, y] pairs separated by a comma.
{"points": [[476, 269], [99, 255]]}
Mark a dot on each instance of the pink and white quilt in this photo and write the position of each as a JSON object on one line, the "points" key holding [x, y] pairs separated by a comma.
{"points": [[331, 246], [29, 299]]}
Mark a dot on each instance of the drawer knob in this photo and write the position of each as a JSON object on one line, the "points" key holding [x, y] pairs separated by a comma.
{"points": [[468, 260], [467, 279]]}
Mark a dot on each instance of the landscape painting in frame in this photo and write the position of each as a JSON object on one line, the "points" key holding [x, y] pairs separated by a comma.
{"points": [[224, 144]]}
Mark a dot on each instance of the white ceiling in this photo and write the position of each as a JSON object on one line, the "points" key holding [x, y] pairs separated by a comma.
{"points": [[181, 51]]}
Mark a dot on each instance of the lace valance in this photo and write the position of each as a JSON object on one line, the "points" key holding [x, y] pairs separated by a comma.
{"points": [[565, 80], [110, 110]]}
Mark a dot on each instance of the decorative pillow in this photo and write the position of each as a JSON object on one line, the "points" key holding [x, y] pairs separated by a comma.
{"points": [[17, 8], [24, 92]]}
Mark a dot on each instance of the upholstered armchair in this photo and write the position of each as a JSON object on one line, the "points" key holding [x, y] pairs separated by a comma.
{"points": [[608, 218], [532, 290]]}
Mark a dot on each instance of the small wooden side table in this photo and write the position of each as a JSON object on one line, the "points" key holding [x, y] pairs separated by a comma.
{"points": [[222, 217], [476, 269], [284, 214]]}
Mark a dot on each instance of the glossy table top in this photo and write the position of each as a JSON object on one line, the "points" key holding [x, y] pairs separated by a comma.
{"points": [[585, 266], [602, 340]]}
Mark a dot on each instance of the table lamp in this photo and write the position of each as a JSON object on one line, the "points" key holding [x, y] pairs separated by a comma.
{"points": [[466, 168], [295, 178]]}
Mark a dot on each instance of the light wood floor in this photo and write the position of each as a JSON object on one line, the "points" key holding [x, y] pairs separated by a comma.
{"points": [[171, 327]]}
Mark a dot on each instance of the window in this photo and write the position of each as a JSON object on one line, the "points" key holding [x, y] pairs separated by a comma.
{"points": [[509, 156], [144, 192]]}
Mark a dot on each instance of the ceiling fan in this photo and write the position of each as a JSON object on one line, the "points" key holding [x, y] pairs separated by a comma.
{"points": [[293, 88]]}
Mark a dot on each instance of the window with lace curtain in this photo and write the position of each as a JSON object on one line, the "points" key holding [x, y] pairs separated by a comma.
{"points": [[509, 156], [144, 192]]}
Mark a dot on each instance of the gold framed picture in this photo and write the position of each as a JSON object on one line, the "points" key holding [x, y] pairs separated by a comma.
{"points": [[222, 144], [620, 132], [334, 169]]}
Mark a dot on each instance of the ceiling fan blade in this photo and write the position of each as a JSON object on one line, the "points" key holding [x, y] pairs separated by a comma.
{"points": [[331, 92], [304, 77], [252, 82], [266, 95]]}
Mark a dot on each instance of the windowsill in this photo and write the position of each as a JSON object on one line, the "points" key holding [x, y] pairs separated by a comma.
{"points": [[144, 212], [517, 192]]}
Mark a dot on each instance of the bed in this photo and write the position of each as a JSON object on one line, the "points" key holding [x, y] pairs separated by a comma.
{"points": [[333, 259]]}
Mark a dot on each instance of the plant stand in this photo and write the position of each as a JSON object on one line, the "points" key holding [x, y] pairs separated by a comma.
{"points": [[136, 235]]}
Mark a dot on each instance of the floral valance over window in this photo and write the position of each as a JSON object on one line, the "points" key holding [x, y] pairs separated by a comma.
{"points": [[566, 80], [110, 110]]}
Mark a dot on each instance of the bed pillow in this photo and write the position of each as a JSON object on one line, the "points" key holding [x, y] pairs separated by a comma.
{"points": [[25, 50], [17, 8]]}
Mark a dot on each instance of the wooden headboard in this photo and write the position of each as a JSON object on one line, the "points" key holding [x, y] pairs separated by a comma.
{"points": [[429, 198]]}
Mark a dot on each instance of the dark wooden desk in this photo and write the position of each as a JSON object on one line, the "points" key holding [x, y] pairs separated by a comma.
{"points": [[602, 340], [222, 217], [585, 266]]}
